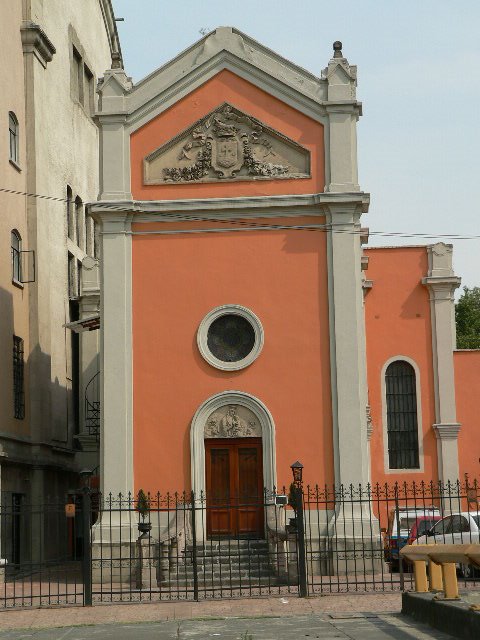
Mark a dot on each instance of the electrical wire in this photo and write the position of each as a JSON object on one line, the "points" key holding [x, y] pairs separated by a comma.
{"points": [[186, 217]]}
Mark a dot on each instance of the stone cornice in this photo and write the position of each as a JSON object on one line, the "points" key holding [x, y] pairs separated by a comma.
{"points": [[447, 431], [36, 41], [309, 203], [444, 282]]}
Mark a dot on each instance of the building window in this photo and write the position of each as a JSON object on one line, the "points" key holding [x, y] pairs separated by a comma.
{"points": [[230, 337], [77, 76], [13, 135], [80, 220], [88, 89], [18, 387], [402, 420], [16, 242], [71, 225]]}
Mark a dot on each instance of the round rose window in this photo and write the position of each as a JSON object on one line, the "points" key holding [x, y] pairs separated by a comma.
{"points": [[230, 337]]}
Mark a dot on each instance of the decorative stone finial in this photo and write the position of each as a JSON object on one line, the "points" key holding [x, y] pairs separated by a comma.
{"points": [[116, 60], [337, 48]]}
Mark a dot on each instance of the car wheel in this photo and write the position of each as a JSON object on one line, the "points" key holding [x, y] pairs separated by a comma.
{"points": [[467, 571]]}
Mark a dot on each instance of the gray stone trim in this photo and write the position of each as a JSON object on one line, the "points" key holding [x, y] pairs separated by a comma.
{"points": [[241, 205], [441, 283], [418, 391], [447, 431], [347, 343], [36, 41], [202, 335], [116, 389]]}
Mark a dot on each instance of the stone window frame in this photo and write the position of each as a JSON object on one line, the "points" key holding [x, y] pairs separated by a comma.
{"points": [[81, 73], [418, 391], [214, 314]]}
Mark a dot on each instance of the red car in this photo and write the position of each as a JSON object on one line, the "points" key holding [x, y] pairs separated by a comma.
{"points": [[421, 525]]}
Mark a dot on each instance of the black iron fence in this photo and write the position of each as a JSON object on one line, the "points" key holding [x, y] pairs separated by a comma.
{"points": [[182, 546]]}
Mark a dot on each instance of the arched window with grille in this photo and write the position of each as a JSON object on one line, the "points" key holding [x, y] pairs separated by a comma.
{"points": [[13, 135], [16, 246], [402, 418]]}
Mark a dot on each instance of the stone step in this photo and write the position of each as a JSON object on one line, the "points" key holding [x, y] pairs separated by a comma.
{"points": [[225, 557], [227, 562], [244, 583], [230, 544], [186, 572]]}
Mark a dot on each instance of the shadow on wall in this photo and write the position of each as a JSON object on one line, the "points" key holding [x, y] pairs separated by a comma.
{"points": [[35, 468]]}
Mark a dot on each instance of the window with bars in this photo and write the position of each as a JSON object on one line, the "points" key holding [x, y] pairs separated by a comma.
{"points": [[402, 421], [18, 382]]}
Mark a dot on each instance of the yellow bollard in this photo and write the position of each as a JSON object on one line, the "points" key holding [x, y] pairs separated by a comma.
{"points": [[435, 576], [420, 576], [449, 575]]}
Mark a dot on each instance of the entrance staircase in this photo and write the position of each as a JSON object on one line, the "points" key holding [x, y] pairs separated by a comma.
{"points": [[223, 564]]}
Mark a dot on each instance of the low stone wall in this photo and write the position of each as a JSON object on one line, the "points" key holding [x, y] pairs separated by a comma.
{"points": [[450, 616]]}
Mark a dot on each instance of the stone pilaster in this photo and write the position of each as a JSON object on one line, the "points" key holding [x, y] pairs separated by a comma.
{"points": [[347, 345], [116, 448], [442, 282]]}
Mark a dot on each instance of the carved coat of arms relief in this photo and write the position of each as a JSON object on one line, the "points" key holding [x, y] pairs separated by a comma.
{"points": [[227, 145]]}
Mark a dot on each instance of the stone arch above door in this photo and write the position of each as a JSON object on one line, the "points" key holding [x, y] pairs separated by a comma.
{"points": [[214, 418]]}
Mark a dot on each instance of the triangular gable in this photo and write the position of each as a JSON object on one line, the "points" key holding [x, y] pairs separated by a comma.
{"points": [[227, 144]]}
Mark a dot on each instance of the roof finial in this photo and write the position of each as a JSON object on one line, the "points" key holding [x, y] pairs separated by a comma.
{"points": [[337, 48]]}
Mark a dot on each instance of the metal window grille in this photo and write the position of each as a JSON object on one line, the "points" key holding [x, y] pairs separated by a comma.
{"points": [[18, 386], [402, 424]]}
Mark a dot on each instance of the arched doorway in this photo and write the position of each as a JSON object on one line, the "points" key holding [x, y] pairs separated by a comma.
{"points": [[232, 461]]}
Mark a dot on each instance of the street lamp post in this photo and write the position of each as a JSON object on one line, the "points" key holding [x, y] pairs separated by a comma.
{"points": [[297, 471]]}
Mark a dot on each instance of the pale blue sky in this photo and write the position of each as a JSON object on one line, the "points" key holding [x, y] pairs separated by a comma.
{"points": [[418, 78]]}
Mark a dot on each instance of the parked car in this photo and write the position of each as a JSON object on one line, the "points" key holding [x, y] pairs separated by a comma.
{"points": [[420, 527], [399, 527], [456, 528]]}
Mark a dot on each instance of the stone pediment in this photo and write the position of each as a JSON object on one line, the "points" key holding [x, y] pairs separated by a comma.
{"points": [[227, 145]]}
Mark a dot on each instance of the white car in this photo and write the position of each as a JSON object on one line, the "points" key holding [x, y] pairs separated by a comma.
{"points": [[457, 528]]}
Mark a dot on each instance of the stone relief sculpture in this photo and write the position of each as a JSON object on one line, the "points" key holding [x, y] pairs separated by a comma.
{"points": [[227, 145], [232, 422]]}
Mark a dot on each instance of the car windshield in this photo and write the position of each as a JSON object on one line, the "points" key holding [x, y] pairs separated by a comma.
{"points": [[424, 526], [476, 517]]}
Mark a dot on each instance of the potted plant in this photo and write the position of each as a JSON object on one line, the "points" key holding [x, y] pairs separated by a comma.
{"points": [[143, 508]]}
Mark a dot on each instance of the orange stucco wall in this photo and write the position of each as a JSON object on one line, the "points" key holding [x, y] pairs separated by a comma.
{"points": [[397, 315], [177, 279], [467, 392], [227, 87]]}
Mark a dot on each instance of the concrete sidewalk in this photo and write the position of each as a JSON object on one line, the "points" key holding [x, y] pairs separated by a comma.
{"points": [[163, 611]]}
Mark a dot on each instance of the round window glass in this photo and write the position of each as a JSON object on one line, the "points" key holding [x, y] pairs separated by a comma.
{"points": [[230, 338]]}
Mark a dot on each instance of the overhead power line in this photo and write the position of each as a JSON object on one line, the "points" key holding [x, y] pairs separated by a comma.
{"points": [[186, 217]]}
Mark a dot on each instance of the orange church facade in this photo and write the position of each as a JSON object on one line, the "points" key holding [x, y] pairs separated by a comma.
{"points": [[241, 310]]}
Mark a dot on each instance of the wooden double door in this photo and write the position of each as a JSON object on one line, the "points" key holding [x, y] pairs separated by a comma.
{"points": [[234, 476]]}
